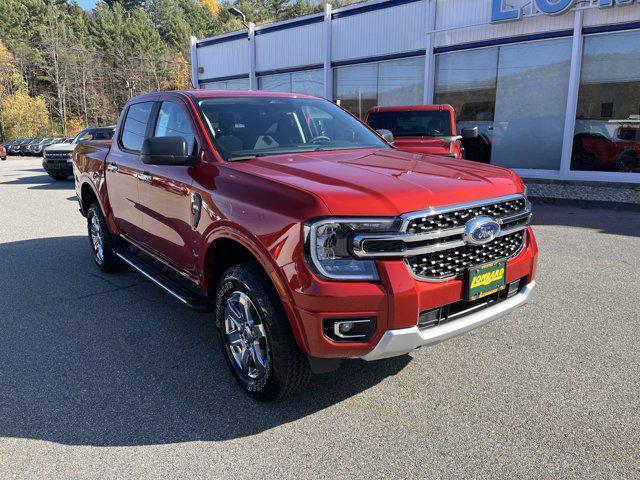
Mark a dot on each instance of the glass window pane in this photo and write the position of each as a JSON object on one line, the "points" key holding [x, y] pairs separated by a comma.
{"points": [[238, 84], [215, 85], [275, 83], [173, 122], [401, 82], [531, 101], [355, 87], [135, 126], [309, 82], [467, 82], [607, 132]]}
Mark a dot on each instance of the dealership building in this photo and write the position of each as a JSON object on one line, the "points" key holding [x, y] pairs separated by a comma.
{"points": [[552, 85]]}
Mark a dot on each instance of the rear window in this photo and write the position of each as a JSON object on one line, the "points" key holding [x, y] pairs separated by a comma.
{"points": [[135, 126], [425, 123]]}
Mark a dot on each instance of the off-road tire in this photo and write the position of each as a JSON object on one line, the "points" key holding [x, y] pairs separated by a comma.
{"points": [[109, 261], [288, 369]]}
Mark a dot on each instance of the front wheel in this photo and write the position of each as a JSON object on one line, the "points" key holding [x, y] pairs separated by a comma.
{"points": [[255, 336], [101, 240]]}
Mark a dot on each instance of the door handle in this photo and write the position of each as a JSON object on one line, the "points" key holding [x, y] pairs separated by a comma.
{"points": [[112, 167], [145, 177]]}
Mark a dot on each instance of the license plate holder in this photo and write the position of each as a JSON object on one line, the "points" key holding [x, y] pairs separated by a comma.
{"points": [[486, 279]]}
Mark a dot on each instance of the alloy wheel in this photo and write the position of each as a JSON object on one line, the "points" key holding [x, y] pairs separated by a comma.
{"points": [[246, 336], [96, 238]]}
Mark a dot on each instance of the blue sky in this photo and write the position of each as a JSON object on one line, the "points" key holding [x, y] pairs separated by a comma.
{"points": [[87, 4]]}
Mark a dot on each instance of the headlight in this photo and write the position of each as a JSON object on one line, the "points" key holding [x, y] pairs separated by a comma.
{"points": [[328, 244]]}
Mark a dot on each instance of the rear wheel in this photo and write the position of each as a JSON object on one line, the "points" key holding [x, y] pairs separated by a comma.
{"points": [[255, 336], [101, 240]]}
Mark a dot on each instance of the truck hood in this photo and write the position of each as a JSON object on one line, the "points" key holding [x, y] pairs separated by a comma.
{"points": [[60, 147], [385, 182]]}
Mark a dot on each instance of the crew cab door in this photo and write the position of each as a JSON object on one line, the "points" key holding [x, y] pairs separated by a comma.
{"points": [[123, 167], [165, 193]]}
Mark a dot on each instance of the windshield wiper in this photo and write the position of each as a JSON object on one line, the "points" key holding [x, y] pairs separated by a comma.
{"points": [[242, 158]]}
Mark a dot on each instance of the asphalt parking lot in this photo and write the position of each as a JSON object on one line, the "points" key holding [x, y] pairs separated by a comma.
{"points": [[105, 376]]}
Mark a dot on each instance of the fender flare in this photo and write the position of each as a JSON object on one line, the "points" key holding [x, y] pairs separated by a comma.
{"points": [[103, 199], [254, 246]]}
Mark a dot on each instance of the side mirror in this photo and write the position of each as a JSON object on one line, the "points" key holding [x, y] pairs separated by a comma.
{"points": [[166, 151], [470, 132], [387, 135]]}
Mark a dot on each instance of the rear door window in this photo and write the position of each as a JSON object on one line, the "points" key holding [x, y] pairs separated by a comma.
{"points": [[135, 126], [173, 122]]}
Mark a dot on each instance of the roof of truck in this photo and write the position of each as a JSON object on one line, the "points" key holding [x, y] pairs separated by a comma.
{"points": [[228, 93]]}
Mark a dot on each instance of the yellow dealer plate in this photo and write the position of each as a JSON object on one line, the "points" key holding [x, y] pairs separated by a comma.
{"points": [[486, 279]]}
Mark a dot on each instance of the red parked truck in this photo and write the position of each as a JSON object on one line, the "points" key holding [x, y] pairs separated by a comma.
{"points": [[429, 129], [308, 236]]}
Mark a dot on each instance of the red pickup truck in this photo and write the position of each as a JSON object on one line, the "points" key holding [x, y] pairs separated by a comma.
{"points": [[429, 129], [308, 236]]}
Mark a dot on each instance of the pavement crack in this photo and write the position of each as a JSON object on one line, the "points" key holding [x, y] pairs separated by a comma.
{"points": [[116, 289]]}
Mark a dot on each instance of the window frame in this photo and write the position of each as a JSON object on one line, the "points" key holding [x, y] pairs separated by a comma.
{"points": [[155, 115], [152, 114]]}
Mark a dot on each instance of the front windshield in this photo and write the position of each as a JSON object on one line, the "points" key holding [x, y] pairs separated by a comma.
{"points": [[245, 127], [420, 123]]}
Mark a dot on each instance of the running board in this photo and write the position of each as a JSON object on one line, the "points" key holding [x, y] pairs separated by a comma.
{"points": [[184, 295]]}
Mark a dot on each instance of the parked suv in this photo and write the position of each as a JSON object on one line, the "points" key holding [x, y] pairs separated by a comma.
{"points": [[14, 148], [57, 157], [38, 148], [307, 236]]}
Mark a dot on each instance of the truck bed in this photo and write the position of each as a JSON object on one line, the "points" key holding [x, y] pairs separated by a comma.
{"points": [[89, 157]]}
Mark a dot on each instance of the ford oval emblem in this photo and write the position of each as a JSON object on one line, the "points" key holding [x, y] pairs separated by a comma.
{"points": [[481, 230]]}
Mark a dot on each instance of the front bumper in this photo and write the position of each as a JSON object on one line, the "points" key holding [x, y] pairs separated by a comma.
{"points": [[399, 342], [395, 302], [57, 166]]}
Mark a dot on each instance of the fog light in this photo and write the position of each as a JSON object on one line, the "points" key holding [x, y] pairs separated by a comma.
{"points": [[345, 327], [349, 330]]}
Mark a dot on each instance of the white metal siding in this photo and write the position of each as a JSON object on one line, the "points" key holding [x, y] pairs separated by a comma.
{"points": [[224, 59], [289, 48], [467, 21], [608, 16], [380, 32]]}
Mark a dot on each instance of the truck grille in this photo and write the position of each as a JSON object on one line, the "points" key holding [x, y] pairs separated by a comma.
{"points": [[432, 241], [456, 218], [450, 263]]}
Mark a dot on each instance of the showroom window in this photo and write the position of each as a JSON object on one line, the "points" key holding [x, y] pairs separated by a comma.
{"points": [[607, 131], [309, 82], [237, 84], [515, 94], [394, 82]]}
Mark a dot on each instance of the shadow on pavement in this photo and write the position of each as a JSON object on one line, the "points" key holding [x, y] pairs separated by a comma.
{"points": [[615, 222], [94, 359], [42, 182]]}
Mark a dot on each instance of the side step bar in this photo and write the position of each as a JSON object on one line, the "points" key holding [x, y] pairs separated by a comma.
{"points": [[197, 302]]}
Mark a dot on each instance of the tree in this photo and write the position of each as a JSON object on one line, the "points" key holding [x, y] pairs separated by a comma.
{"points": [[24, 115]]}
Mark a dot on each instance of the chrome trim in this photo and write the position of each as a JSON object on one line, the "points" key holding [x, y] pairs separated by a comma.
{"points": [[404, 340], [152, 278], [336, 328], [407, 217], [359, 240], [449, 277]]}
